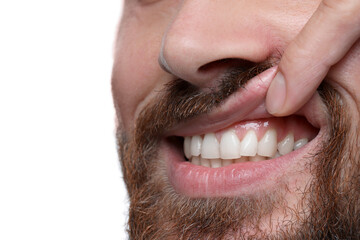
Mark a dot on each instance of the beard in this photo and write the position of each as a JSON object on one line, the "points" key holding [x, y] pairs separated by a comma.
{"points": [[329, 207]]}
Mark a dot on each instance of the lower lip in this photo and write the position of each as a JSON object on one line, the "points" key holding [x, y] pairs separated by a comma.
{"points": [[247, 178]]}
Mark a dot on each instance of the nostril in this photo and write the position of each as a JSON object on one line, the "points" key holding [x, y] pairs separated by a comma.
{"points": [[227, 63], [211, 73]]}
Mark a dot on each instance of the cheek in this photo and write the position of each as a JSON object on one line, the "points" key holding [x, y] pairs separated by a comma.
{"points": [[346, 76], [136, 72], [134, 77]]}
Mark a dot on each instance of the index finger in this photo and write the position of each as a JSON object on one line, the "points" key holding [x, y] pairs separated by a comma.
{"points": [[325, 39]]}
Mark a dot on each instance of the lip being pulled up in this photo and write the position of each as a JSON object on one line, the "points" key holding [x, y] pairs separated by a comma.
{"points": [[239, 178]]}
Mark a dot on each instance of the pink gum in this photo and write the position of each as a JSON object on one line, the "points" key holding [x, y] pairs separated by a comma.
{"points": [[283, 126]]}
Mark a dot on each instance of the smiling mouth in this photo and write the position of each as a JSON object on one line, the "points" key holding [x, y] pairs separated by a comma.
{"points": [[233, 162], [240, 149]]}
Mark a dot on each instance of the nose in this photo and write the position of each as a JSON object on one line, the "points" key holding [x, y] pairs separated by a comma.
{"points": [[206, 37]]}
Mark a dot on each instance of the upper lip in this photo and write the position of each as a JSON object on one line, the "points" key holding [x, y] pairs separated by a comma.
{"points": [[247, 103]]}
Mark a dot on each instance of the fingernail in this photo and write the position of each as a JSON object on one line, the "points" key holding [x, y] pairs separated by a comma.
{"points": [[276, 94]]}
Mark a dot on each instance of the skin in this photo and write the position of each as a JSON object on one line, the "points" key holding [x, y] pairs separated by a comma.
{"points": [[140, 27], [160, 41], [334, 23]]}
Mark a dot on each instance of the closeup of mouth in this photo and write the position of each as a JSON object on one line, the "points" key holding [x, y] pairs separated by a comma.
{"points": [[239, 148]]}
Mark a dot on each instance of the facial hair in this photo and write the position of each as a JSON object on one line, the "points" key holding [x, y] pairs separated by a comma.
{"points": [[158, 212]]}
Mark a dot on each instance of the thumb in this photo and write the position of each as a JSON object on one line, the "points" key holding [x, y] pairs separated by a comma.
{"points": [[324, 40]]}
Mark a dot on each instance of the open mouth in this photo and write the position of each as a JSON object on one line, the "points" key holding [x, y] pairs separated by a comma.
{"points": [[240, 149]]}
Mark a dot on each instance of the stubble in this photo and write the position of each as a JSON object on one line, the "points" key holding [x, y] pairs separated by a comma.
{"points": [[329, 208]]}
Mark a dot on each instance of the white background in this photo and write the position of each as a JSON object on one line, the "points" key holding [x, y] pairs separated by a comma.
{"points": [[59, 173]]}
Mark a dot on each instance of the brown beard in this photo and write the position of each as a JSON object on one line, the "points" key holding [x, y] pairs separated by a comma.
{"points": [[158, 212]]}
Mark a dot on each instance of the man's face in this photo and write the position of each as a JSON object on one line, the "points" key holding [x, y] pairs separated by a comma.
{"points": [[202, 158]]}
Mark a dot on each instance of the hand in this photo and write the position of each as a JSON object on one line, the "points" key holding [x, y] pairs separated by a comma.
{"points": [[324, 41]]}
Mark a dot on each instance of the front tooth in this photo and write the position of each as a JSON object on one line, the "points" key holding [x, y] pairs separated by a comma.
{"points": [[215, 163], [195, 145], [267, 145], [286, 145], [249, 144], [204, 162], [210, 147], [257, 158], [187, 147], [195, 161], [229, 145], [300, 143]]}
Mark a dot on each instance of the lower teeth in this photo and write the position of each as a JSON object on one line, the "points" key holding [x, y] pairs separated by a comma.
{"points": [[216, 163]]}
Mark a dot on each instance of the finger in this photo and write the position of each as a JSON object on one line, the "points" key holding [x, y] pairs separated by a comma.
{"points": [[325, 39]]}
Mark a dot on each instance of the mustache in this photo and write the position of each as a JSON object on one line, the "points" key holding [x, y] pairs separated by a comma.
{"points": [[181, 101]]}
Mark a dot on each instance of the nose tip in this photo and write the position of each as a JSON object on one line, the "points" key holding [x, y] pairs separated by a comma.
{"points": [[179, 58], [199, 42]]}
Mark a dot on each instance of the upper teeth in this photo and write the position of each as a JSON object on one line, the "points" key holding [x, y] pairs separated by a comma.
{"points": [[230, 147]]}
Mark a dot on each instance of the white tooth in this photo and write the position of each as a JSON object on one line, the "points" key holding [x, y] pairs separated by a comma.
{"points": [[227, 162], [286, 145], [300, 143], [215, 163], [268, 144], [229, 145], [187, 147], [249, 144], [195, 161], [242, 159], [205, 162], [210, 147], [195, 147], [257, 158]]}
